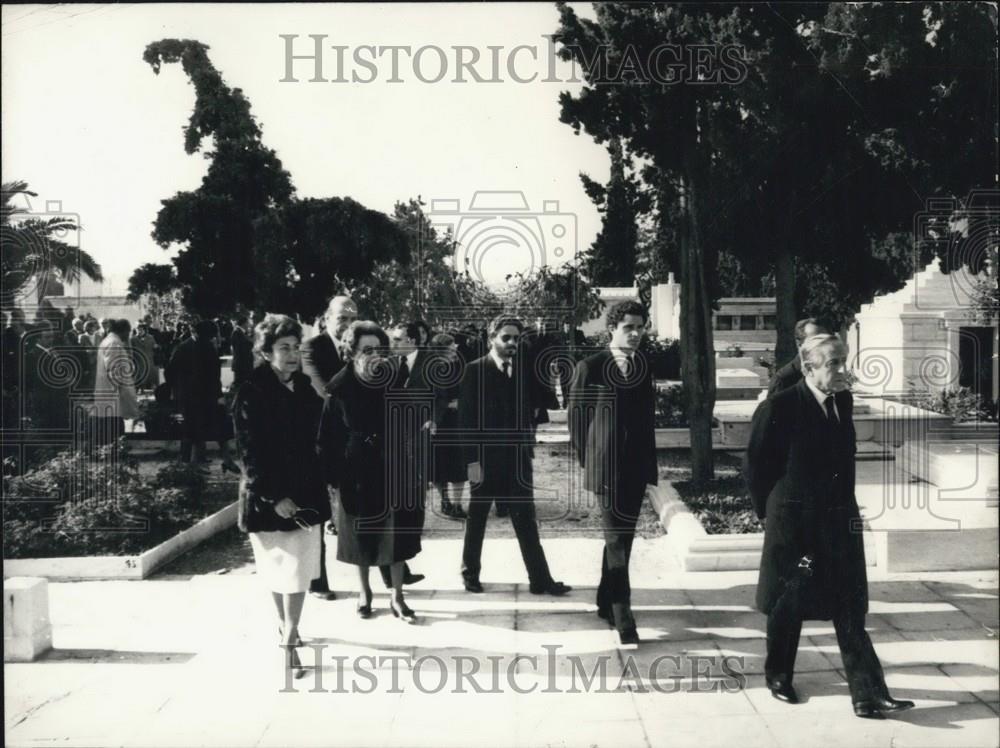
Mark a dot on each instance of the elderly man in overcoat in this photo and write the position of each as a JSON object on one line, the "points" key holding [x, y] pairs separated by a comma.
{"points": [[800, 471]]}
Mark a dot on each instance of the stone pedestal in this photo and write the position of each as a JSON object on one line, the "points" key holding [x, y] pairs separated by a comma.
{"points": [[27, 632]]}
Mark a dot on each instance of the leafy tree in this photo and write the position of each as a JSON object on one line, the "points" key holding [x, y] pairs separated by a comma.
{"points": [[151, 278], [314, 248], [245, 180], [842, 120], [32, 250], [562, 293], [611, 259]]}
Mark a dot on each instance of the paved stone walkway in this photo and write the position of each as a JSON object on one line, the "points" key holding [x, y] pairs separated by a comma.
{"points": [[191, 660]]}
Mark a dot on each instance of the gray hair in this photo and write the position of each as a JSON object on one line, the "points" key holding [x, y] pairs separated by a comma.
{"points": [[812, 348]]}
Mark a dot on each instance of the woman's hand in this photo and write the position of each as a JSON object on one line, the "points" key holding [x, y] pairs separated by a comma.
{"points": [[286, 508]]}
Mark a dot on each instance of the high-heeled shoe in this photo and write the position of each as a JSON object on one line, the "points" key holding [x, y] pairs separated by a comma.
{"points": [[292, 661], [403, 612], [365, 609]]}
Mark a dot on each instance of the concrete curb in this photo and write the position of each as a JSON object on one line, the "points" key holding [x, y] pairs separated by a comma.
{"points": [[696, 550], [79, 568]]}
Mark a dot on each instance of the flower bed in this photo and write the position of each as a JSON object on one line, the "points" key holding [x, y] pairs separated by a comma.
{"points": [[721, 505], [75, 506]]}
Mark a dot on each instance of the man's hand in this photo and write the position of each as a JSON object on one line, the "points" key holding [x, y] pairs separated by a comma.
{"points": [[430, 426], [286, 508], [475, 472]]}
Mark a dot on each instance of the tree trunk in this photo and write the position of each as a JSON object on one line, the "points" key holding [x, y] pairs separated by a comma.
{"points": [[784, 291], [697, 345]]}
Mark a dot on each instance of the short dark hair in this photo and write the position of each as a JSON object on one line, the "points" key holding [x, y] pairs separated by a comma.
{"points": [[418, 325], [412, 329], [206, 329], [272, 328], [505, 320], [120, 327], [357, 330], [800, 329], [617, 313]]}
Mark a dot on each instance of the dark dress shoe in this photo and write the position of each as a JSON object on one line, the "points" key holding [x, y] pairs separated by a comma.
{"points": [[557, 589], [628, 636], [608, 615], [867, 710], [472, 585], [411, 578], [889, 704], [364, 609], [323, 594], [783, 691]]}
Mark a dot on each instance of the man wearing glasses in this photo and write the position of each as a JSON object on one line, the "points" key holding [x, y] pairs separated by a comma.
{"points": [[496, 418]]}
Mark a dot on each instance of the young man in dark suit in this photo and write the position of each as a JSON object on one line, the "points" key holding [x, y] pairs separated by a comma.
{"points": [[496, 418], [800, 471], [611, 408], [790, 374], [321, 360]]}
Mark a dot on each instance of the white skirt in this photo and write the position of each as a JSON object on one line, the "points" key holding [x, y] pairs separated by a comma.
{"points": [[287, 561]]}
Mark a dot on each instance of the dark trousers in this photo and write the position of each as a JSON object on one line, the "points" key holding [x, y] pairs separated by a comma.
{"points": [[865, 678], [320, 583], [508, 482], [197, 430], [619, 515]]}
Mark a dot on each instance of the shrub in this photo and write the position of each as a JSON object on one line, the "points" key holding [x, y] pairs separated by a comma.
{"points": [[960, 403], [721, 505], [76, 506], [664, 357]]}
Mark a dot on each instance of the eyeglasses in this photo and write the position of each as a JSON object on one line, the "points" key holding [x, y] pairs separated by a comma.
{"points": [[301, 521]]}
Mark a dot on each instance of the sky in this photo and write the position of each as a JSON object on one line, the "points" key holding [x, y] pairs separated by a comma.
{"points": [[92, 129]]}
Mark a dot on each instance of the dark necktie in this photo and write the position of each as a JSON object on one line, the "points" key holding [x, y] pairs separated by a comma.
{"points": [[831, 414], [506, 369]]}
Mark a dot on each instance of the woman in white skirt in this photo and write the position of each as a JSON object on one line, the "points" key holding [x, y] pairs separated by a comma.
{"points": [[283, 501]]}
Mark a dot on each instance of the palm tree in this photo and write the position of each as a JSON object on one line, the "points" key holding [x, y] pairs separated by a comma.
{"points": [[33, 249]]}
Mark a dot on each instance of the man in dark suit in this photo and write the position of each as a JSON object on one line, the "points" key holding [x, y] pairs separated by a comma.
{"points": [[799, 469], [790, 374], [495, 417], [611, 409], [194, 376], [241, 343], [321, 360], [320, 354]]}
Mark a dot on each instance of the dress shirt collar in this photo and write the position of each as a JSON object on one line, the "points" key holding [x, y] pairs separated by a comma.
{"points": [[411, 359], [821, 397], [500, 362]]}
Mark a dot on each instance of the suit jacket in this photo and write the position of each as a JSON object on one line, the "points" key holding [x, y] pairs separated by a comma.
{"points": [[787, 376], [195, 374], [494, 410], [242, 363], [320, 361], [113, 385], [799, 469], [612, 424]]}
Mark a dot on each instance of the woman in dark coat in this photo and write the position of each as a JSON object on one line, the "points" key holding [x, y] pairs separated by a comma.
{"points": [[376, 525], [283, 501], [449, 469]]}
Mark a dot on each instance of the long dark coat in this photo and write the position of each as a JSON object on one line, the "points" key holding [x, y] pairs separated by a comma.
{"points": [[606, 416], [800, 470], [276, 435], [376, 522]]}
